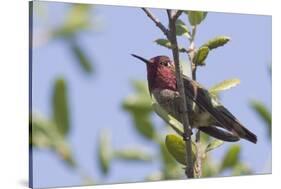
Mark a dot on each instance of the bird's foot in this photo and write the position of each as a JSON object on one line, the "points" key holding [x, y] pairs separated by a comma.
{"points": [[187, 136]]}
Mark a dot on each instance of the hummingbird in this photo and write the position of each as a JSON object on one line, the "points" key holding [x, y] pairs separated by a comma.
{"points": [[205, 112]]}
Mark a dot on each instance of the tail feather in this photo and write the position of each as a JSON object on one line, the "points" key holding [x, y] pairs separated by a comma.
{"points": [[248, 135], [219, 134]]}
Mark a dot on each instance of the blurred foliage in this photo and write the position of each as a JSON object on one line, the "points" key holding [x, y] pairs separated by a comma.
{"points": [[139, 106], [52, 133], [78, 19], [105, 152], [262, 111], [46, 133], [60, 106]]}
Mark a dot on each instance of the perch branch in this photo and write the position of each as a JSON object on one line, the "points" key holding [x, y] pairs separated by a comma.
{"points": [[171, 36], [184, 113]]}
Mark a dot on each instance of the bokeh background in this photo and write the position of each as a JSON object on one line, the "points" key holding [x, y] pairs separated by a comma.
{"points": [[83, 52]]}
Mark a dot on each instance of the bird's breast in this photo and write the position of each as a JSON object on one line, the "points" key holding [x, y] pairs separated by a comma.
{"points": [[169, 100]]}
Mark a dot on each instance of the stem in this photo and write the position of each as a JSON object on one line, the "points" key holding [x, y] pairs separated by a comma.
{"points": [[157, 22], [199, 152], [184, 113]]}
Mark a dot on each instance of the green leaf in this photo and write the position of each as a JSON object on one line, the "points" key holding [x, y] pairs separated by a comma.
{"points": [[217, 42], [133, 155], [104, 151], [60, 106], [176, 147], [224, 85], [231, 158], [213, 145], [201, 55], [81, 57], [166, 43], [264, 114], [181, 28], [196, 17]]}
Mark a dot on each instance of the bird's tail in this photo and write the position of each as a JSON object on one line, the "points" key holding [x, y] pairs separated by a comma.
{"points": [[219, 133], [245, 133]]}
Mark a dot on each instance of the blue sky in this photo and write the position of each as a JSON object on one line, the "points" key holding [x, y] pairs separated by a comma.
{"points": [[126, 30]]}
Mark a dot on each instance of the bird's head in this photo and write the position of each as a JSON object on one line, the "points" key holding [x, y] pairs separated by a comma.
{"points": [[160, 72]]}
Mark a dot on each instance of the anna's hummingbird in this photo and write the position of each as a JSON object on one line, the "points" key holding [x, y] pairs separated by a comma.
{"points": [[208, 115]]}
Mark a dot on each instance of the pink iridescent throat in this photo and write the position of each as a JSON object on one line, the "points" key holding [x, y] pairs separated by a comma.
{"points": [[160, 77]]}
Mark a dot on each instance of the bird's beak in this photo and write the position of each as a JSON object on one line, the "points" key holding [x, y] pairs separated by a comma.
{"points": [[141, 58]]}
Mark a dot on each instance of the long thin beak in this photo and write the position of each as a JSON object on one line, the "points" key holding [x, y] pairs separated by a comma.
{"points": [[141, 58]]}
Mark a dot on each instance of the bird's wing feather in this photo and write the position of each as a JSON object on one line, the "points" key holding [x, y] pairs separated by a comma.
{"points": [[205, 101]]}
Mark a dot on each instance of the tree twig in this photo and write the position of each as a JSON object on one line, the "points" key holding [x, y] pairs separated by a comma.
{"points": [[184, 113], [199, 152], [157, 22], [177, 15]]}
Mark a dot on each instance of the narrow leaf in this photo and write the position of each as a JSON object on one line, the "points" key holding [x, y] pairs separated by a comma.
{"points": [[196, 17], [224, 85], [213, 145], [201, 55], [231, 158], [60, 106], [217, 42], [133, 155], [263, 112], [104, 152], [81, 57]]}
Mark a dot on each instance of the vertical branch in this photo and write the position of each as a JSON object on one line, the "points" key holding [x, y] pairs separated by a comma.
{"points": [[184, 113], [172, 37], [199, 153]]}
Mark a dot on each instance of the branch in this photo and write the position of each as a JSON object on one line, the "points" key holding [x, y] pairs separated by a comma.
{"points": [[199, 151], [177, 15], [184, 113], [192, 53], [172, 37], [157, 22]]}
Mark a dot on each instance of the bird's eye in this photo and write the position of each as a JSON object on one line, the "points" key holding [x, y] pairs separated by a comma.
{"points": [[165, 63]]}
